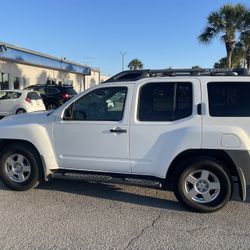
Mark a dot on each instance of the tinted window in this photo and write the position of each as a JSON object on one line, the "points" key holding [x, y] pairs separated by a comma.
{"points": [[69, 91], [33, 96], [165, 101], [9, 95], [51, 91], [229, 99], [105, 104], [40, 90]]}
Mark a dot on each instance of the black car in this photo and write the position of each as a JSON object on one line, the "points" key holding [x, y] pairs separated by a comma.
{"points": [[54, 95]]}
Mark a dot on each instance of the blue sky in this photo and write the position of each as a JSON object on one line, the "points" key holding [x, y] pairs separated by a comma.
{"points": [[160, 33]]}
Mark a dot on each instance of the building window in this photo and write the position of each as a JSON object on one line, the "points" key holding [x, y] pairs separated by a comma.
{"points": [[16, 82], [4, 81]]}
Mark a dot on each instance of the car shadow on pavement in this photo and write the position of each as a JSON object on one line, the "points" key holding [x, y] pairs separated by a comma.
{"points": [[115, 193]]}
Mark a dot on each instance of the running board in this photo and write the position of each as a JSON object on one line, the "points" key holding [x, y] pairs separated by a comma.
{"points": [[99, 178]]}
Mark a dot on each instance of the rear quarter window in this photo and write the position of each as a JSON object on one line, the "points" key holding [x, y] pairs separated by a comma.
{"points": [[34, 95], [69, 91], [229, 99]]}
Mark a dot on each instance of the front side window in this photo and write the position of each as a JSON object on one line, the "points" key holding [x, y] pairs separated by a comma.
{"points": [[9, 95], [104, 104], [229, 99], [161, 101]]}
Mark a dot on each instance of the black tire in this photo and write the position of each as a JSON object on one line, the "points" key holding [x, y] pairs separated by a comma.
{"points": [[52, 105], [15, 159], [20, 111], [202, 185]]}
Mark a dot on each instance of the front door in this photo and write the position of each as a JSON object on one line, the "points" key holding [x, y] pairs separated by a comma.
{"points": [[94, 132]]}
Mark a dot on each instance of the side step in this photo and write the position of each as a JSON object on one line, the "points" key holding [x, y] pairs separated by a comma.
{"points": [[119, 179]]}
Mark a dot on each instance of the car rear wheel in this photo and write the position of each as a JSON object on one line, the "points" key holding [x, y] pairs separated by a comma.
{"points": [[20, 111], [20, 167], [202, 185]]}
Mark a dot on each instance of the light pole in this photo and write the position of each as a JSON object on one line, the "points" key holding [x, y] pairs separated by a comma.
{"points": [[123, 54]]}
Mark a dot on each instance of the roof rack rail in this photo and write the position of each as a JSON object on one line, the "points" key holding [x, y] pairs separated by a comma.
{"points": [[134, 75]]}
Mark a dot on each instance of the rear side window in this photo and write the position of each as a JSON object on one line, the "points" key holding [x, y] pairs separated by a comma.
{"points": [[40, 90], [229, 99], [165, 101], [69, 91], [52, 91], [33, 96]]}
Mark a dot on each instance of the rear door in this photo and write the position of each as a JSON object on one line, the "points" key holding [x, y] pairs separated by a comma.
{"points": [[164, 123]]}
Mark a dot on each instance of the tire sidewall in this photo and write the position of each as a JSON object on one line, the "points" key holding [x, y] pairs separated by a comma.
{"points": [[20, 109], [212, 166], [30, 155]]}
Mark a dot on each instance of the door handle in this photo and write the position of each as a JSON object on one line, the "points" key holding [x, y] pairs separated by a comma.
{"points": [[118, 130]]}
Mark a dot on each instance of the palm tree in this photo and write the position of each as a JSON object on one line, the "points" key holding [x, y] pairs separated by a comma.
{"points": [[244, 45], [135, 64], [226, 22]]}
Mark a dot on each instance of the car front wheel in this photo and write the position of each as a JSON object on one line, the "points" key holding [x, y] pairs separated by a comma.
{"points": [[202, 185], [20, 167]]}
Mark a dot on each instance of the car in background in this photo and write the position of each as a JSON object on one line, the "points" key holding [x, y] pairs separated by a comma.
{"points": [[54, 95], [20, 101]]}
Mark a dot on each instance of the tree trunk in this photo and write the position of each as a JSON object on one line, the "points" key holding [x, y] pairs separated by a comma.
{"points": [[229, 49], [248, 61]]}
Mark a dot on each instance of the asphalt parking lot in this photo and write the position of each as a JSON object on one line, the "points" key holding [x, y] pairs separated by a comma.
{"points": [[79, 215]]}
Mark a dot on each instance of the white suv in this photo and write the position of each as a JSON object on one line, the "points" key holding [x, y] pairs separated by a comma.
{"points": [[182, 129]]}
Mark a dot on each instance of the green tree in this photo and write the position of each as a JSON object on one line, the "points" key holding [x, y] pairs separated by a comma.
{"points": [[135, 64], [241, 53], [225, 23], [244, 47]]}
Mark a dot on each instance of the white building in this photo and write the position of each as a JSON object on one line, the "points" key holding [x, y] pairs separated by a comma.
{"points": [[21, 67]]}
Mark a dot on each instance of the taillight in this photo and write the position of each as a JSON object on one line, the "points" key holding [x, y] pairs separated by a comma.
{"points": [[27, 99], [66, 96]]}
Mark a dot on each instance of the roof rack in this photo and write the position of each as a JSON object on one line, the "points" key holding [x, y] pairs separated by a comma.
{"points": [[134, 75]]}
